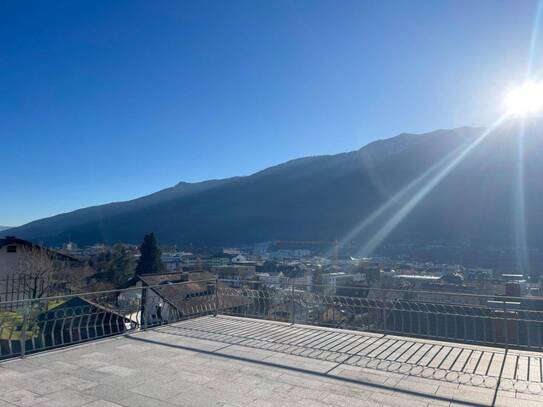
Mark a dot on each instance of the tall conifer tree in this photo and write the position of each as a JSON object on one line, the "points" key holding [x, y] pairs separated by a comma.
{"points": [[149, 261]]}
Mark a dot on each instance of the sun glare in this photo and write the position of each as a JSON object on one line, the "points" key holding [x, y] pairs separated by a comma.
{"points": [[525, 99]]}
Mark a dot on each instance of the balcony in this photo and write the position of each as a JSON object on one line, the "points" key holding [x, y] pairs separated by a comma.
{"points": [[205, 343]]}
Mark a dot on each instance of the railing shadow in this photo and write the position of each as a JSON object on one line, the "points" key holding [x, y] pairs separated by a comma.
{"points": [[374, 351], [309, 372], [365, 350]]}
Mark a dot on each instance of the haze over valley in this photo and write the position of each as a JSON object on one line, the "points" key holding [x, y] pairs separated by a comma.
{"points": [[327, 197]]}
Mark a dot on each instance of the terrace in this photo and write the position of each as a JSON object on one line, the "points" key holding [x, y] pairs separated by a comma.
{"points": [[224, 348]]}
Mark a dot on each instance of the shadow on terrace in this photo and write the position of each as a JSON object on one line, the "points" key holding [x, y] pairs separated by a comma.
{"points": [[486, 342]]}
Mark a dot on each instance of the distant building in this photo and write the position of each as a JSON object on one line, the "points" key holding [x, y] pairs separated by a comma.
{"points": [[340, 283], [13, 252], [189, 261], [168, 297], [162, 299], [231, 250], [235, 274], [269, 280]]}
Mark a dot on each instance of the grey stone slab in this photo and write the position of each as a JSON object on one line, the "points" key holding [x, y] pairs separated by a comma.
{"points": [[412, 384], [294, 395], [196, 396], [66, 398], [23, 398], [108, 392], [58, 366], [160, 391], [7, 374], [341, 400], [139, 400], [102, 403], [305, 393], [91, 375], [476, 397], [394, 400], [76, 383], [90, 363], [502, 401], [117, 370], [221, 394], [42, 388], [22, 366]]}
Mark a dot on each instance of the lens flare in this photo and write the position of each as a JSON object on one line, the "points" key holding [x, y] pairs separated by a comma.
{"points": [[446, 166], [525, 99]]}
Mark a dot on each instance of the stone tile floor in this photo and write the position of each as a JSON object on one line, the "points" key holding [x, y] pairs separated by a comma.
{"points": [[228, 361]]}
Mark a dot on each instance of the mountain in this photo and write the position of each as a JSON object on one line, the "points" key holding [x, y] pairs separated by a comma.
{"points": [[2, 228], [325, 197]]}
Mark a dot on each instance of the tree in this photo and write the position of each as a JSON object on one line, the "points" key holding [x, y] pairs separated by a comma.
{"points": [[115, 266], [122, 265], [39, 272], [149, 261]]}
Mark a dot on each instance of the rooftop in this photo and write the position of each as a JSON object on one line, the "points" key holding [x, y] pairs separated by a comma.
{"points": [[235, 361]]}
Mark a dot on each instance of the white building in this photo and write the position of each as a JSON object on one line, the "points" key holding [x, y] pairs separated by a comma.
{"points": [[14, 253]]}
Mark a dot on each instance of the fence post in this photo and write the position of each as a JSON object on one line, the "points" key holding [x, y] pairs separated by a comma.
{"points": [[216, 297], [292, 310], [26, 313], [143, 319], [506, 324]]}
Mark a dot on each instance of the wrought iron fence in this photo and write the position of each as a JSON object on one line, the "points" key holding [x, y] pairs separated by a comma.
{"points": [[22, 287], [39, 324], [32, 325], [477, 319]]}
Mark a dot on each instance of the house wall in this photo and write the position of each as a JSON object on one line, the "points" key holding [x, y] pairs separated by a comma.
{"points": [[9, 261], [156, 310], [236, 273]]}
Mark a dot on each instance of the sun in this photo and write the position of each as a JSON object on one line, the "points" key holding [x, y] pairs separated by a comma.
{"points": [[525, 99]]}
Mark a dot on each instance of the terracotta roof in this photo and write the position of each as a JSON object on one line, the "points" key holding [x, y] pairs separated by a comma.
{"points": [[190, 297]]}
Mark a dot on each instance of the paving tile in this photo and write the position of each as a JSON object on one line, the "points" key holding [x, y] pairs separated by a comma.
{"points": [[138, 400], [160, 391], [117, 370], [515, 402], [305, 393], [66, 398], [393, 400], [7, 374], [340, 400], [199, 397], [108, 392], [102, 403], [23, 398]]}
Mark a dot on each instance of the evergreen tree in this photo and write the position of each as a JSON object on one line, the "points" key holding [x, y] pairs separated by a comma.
{"points": [[149, 261], [115, 266], [122, 265]]}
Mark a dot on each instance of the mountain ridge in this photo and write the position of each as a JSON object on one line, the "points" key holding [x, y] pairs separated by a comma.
{"points": [[324, 197]]}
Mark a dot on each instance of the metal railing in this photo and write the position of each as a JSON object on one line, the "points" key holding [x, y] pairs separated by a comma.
{"points": [[15, 287], [33, 325], [515, 322]]}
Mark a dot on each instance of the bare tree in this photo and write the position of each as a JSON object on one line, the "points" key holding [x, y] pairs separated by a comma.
{"points": [[39, 271]]}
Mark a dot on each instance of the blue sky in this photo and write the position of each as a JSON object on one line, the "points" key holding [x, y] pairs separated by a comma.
{"points": [[103, 101]]}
